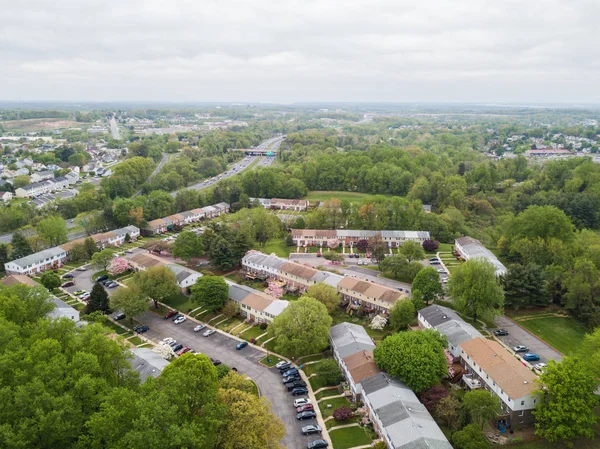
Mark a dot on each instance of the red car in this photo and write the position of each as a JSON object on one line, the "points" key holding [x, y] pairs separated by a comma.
{"points": [[305, 408], [68, 284], [319, 254], [184, 350], [170, 314]]}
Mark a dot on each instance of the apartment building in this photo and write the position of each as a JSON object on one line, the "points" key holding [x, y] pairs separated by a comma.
{"points": [[185, 277], [41, 176], [37, 262], [347, 237], [373, 297], [492, 367], [165, 224], [470, 248], [35, 189], [282, 204]]}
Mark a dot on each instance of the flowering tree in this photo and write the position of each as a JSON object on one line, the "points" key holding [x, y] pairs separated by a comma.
{"points": [[449, 359], [333, 243], [118, 265], [343, 413], [274, 289]]}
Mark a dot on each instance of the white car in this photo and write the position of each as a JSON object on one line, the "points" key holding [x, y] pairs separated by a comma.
{"points": [[167, 340], [209, 332], [81, 268], [442, 271], [283, 362], [540, 366], [301, 401], [179, 320], [83, 293], [199, 327], [85, 296]]}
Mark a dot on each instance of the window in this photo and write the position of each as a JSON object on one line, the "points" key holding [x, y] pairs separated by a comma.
{"points": [[522, 402]]}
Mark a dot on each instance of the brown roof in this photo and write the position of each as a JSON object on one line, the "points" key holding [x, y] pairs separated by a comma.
{"points": [[69, 245], [317, 233], [466, 241], [15, 279], [257, 301], [176, 217], [103, 236], [361, 365], [289, 202], [147, 260], [372, 290], [298, 270], [503, 368]]}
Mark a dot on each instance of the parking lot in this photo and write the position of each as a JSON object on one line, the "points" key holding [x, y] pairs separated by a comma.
{"points": [[83, 281], [519, 336], [222, 347]]}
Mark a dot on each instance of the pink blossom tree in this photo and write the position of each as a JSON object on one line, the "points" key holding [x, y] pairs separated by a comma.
{"points": [[333, 243], [118, 265]]}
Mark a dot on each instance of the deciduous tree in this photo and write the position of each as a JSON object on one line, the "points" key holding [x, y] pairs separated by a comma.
{"points": [[329, 371], [50, 280], [157, 283], [20, 246], [427, 286], [210, 292], [447, 410], [53, 229], [402, 314], [470, 437], [480, 406], [326, 295], [187, 245], [102, 259], [118, 265], [132, 301], [412, 251]]}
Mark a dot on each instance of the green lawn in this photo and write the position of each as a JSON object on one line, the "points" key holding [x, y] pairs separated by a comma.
{"points": [[290, 297], [135, 341], [276, 246], [252, 333], [271, 346], [349, 437], [326, 394], [317, 382], [563, 333], [312, 358], [309, 369], [333, 423], [230, 324], [335, 404], [274, 360], [181, 303], [326, 195]]}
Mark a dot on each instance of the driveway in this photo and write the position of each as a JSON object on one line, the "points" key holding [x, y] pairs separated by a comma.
{"points": [[520, 336], [222, 347], [83, 281]]}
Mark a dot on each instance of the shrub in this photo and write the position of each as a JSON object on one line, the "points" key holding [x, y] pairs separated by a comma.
{"points": [[430, 245], [252, 340], [343, 413], [430, 398], [263, 326], [329, 370]]}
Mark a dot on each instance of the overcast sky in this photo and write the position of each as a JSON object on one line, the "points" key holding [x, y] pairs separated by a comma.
{"points": [[300, 50]]}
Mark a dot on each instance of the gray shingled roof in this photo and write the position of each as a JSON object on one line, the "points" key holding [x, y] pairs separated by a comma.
{"points": [[349, 338], [38, 257], [238, 292], [147, 363], [457, 331], [436, 315]]}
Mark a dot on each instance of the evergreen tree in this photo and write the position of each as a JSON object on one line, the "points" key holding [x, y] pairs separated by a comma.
{"points": [[20, 246], [90, 246], [98, 300], [3, 255]]}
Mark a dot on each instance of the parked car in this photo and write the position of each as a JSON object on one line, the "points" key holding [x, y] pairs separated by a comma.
{"points": [[282, 363], [209, 332], [177, 347], [301, 401], [215, 361], [540, 366], [299, 391], [500, 332], [290, 372], [433, 259], [305, 408], [173, 343], [85, 296], [68, 276], [294, 384], [307, 430], [520, 348], [531, 357], [83, 268], [306, 415], [171, 313], [141, 329], [435, 262], [180, 320], [68, 284], [241, 345], [104, 277], [176, 316], [442, 271], [291, 378], [105, 282], [112, 284], [167, 340], [184, 350], [317, 444], [79, 292], [128, 251], [119, 316], [285, 368], [199, 327]]}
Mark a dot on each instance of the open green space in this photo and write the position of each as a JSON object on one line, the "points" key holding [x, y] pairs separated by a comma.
{"points": [[561, 332], [317, 382], [115, 328], [326, 394], [135, 341], [274, 360], [270, 346], [335, 403], [276, 246], [180, 302], [309, 369], [252, 333], [349, 437], [326, 195], [229, 324], [333, 423]]}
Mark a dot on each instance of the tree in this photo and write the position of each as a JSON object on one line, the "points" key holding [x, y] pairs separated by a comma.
{"points": [[210, 292], [221, 253], [402, 314], [53, 229], [3, 255], [582, 282], [230, 309], [447, 410], [333, 243], [476, 290], [326, 295], [187, 245], [378, 249], [400, 268], [480, 406], [343, 413], [329, 371], [427, 286], [415, 357], [333, 257], [302, 328], [20, 246], [430, 245], [432, 397], [412, 251], [132, 301], [90, 247], [524, 285], [362, 244], [50, 280], [98, 300], [21, 181], [289, 240], [157, 283], [567, 400], [102, 259], [77, 253], [234, 381], [470, 437], [118, 265]]}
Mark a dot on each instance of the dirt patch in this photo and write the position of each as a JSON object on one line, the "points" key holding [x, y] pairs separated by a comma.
{"points": [[39, 124]]}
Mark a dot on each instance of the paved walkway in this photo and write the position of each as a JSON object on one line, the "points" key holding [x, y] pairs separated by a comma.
{"points": [[324, 388], [354, 424], [331, 397]]}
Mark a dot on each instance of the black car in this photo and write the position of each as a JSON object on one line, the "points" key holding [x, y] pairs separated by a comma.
{"points": [[102, 278], [283, 368], [290, 372], [119, 316], [297, 383], [309, 414], [317, 444], [177, 347], [68, 276], [215, 362], [289, 379], [500, 332], [141, 329], [298, 391]]}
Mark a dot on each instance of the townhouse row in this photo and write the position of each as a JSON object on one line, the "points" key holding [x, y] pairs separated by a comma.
{"points": [[166, 224], [282, 204], [58, 256], [348, 237], [184, 276], [486, 364], [46, 185], [470, 248], [298, 278], [255, 305], [397, 415]]}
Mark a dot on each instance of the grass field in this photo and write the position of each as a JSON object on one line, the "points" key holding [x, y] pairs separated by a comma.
{"points": [[252, 333], [274, 360], [276, 246], [335, 403], [39, 124], [317, 382], [180, 302], [349, 437], [326, 394], [135, 341], [561, 332], [325, 195]]}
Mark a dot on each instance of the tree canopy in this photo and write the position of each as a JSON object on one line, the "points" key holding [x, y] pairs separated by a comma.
{"points": [[326, 295], [210, 292]]}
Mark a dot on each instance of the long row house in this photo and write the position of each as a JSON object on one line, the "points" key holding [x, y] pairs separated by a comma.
{"points": [[58, 256], [349, 237], [297, 278], [176, 221]]}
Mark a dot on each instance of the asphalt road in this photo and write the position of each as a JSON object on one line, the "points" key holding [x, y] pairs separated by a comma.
{"points": [[222, 347], [519, 336], [114, 129]]}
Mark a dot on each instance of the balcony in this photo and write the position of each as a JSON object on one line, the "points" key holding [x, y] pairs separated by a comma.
{"points": [[471, 381]]}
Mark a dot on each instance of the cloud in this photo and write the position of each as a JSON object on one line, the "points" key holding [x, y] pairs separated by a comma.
{"points": [[300, 50]]}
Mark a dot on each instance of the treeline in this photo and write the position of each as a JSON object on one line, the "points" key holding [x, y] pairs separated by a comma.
{"points": [[19, 114]]}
